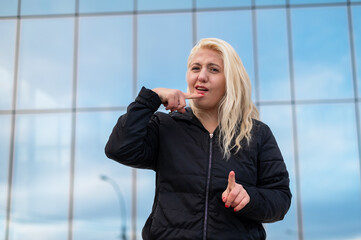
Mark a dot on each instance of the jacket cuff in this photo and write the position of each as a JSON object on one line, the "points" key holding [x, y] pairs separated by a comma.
{"points": [[149, 98]]}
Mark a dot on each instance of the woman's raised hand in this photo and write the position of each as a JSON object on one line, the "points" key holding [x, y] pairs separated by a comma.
{"points": [[235, 195], [173, 99]]}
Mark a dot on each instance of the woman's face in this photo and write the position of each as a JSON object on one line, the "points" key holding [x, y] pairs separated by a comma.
{"points": [[205, 75]]}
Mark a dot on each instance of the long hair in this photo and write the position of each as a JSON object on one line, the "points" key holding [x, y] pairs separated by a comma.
{"points": [[236, 109]]}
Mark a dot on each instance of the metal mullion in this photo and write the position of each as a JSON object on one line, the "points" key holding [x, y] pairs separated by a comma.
{"points": [[135, 90], [354, 80], [13, 121], [73, 123], [255, 53], [294, 123]]}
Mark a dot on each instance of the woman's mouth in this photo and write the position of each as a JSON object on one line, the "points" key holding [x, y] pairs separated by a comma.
{"points": [[201, 89]]}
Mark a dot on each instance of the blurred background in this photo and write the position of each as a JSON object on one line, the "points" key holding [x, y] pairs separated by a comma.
{"points": [[68, 70]]}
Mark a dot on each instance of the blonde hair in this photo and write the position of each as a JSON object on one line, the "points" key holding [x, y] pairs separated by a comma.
{"points": [[236, 108]]}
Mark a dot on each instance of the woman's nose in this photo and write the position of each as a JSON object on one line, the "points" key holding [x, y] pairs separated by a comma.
{"points": [[203, 77]]}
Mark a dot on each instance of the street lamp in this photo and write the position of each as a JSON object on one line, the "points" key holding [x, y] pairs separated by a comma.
{"points": [[121, 205]]}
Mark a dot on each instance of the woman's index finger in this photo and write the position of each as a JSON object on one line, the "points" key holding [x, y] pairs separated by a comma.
{"points": [[192, 95]]}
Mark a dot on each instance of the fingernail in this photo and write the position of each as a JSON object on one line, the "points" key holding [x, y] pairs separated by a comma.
{"points": [[227, 206], [234, 210]]}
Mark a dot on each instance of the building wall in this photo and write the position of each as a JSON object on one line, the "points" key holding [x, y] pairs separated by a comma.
{"points": [[68, 70]]}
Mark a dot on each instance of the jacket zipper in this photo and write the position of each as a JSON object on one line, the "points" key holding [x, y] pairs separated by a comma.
{"points": [[207, 188]]}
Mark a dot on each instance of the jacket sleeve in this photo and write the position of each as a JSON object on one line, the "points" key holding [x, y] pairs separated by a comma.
{"points": [[134, 139], [271, 198]]}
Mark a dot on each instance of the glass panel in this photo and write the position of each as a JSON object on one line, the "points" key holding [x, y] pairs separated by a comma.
{"points": [[164, 43], [46, 64], [8, 8], [268, 2], [105, 61], [315, 1], [5, 131], [41, 177], [96, 6], [281, 126], [145, 197], [330, 171], [217, 4], [7, 55], [356, 21], [164, 4], [321, 53], [273, 55], [224, 25], [104, 182], [32, 7]]}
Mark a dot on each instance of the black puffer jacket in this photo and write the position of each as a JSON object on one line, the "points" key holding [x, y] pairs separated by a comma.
{"points": [[191, 174]]}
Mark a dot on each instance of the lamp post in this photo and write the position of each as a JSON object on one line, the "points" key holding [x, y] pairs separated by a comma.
{"points": [[121, 205]]}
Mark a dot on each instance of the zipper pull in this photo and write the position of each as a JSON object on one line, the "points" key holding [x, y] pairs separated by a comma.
{"points": [[211, 135]]}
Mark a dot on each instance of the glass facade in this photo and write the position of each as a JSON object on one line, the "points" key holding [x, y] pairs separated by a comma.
{"points": [[69, 69]]}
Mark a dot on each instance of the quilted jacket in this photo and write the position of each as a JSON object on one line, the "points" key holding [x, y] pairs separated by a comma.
{"points": [[191, 174]]}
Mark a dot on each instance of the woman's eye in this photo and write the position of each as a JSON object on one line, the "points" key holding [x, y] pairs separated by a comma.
{"points": [[214, 70], [195, 68]]}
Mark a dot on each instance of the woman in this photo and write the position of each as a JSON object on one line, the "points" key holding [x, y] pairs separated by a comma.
{"points": [[219, 171]]}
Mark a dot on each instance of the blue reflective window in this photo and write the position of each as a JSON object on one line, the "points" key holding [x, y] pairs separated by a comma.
{"points": [[281, 126], [219, 4], [356, 21], [163, 47], [144, 5], [102, 190], [330, 172], [268, 2], [96, 6], [321, 53], [235, 27], [5, 131], [145, 194], [8, 8], [273, 63], [7, 55], [315, 1], [46, 64], [41, 7], [40, 190], [105, 75]]}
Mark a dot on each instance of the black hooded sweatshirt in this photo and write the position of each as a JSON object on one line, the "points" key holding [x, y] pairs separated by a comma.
{"points": [[191, 174]]}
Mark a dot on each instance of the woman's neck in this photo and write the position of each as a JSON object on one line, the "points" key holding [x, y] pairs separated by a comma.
{"points": [[209, 119]]}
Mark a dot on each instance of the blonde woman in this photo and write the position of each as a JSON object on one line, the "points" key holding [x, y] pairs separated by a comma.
{"points": [[219, 171]]}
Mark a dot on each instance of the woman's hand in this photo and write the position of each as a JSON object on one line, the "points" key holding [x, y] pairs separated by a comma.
{"points": [[173, 99], [235, 195]]}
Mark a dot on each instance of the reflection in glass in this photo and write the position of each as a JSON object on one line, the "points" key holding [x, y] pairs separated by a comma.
{"points": [[279, 119], [146, 5], [105, 61], [321, 53], [273, 55], [163, 47], [34, 7], [98, 6], [45, 64], [315, 1], [220, 4], [268, 2], [356, 21], [40, 191], [8, 8], [97, 209], [7, 56], [145, 196], [5, 130], [330, 171], [235, 27]]}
